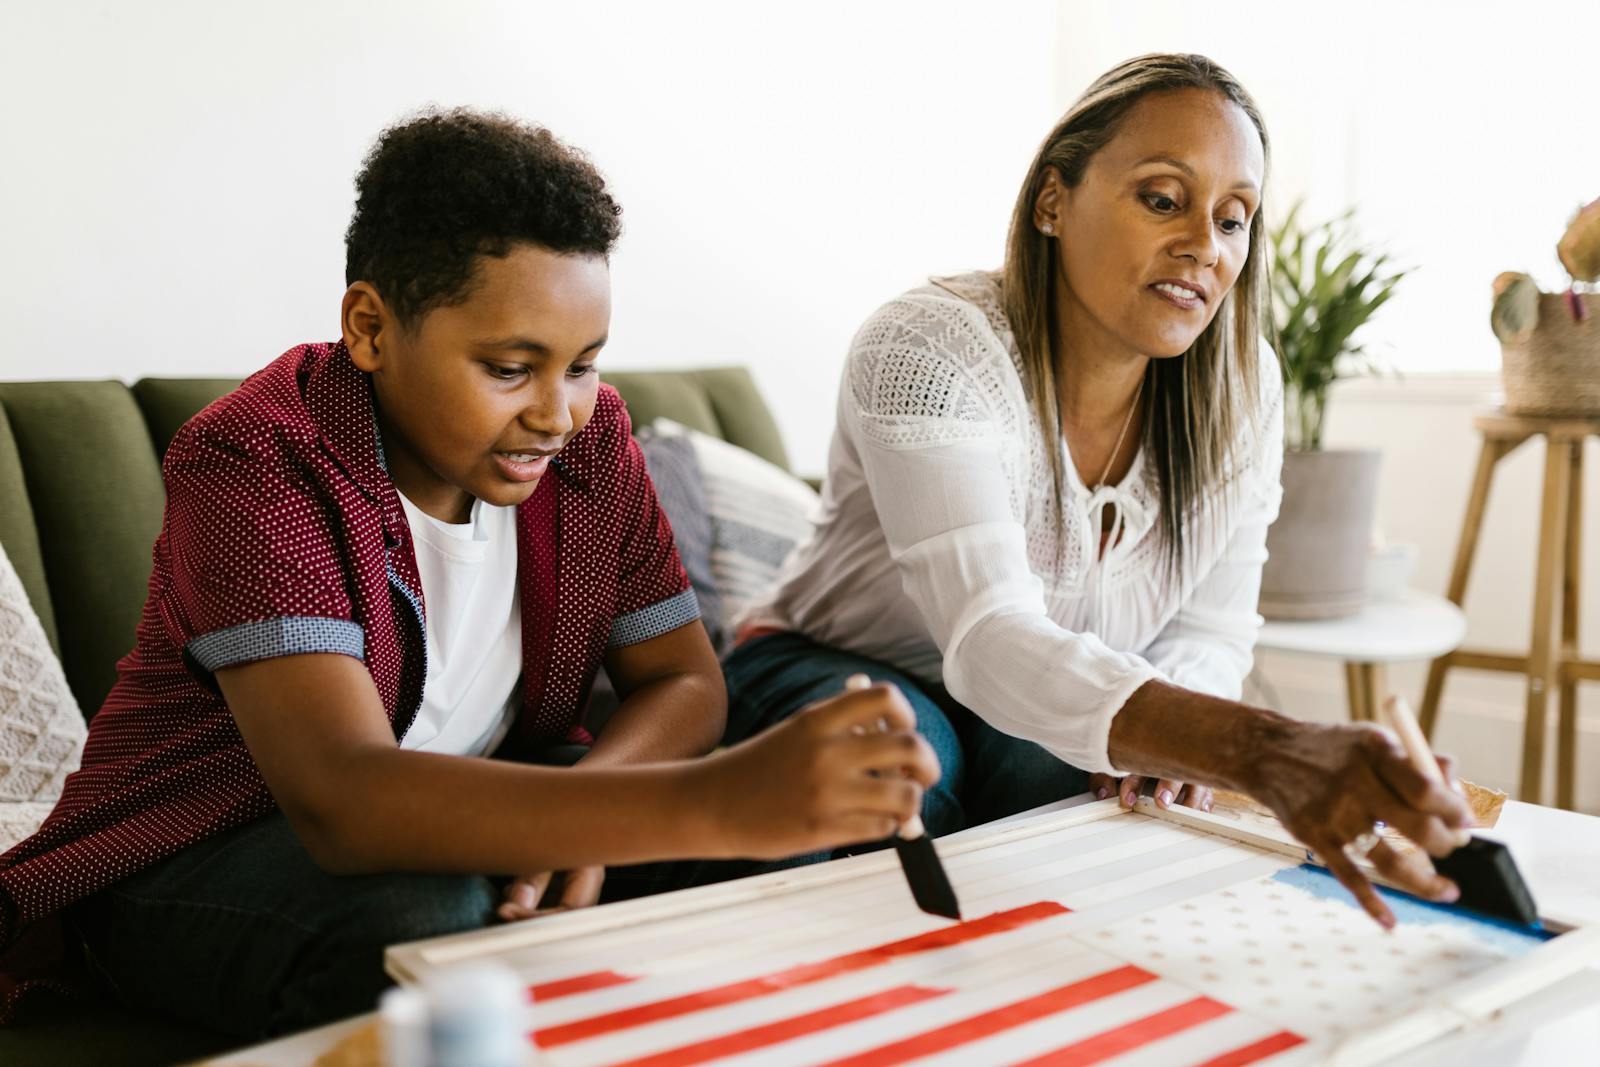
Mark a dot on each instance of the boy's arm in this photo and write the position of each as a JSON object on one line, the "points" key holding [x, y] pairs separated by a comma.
{"points": [[674, 703], [317, 731], [674, 706]]}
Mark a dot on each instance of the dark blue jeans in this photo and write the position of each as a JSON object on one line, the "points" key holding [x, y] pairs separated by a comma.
{"points": [[245, 934], [987, 774]]}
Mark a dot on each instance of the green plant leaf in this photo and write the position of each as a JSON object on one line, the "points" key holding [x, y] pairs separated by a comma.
{"points": [[1324, 289]]}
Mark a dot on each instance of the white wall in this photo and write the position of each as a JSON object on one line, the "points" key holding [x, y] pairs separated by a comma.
{"points": [[176, 181], [1462, 131], [177, 175]]}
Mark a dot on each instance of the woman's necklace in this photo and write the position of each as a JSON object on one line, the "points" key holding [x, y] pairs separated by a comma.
{"points": [[1116, 448]]}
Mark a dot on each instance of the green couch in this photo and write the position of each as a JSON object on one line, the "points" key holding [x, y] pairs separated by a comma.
{"points": [[80, 506]]}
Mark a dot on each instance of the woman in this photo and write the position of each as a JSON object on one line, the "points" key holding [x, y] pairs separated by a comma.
{"points": [[1048, 496]]}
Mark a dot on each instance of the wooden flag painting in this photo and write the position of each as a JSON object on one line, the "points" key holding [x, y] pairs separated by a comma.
{"points": [[1095, 936]]}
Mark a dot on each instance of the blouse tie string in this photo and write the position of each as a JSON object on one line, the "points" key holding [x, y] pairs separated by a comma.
{"points": [[1129, 521]]}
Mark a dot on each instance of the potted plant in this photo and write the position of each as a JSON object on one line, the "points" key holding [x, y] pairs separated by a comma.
{"points": [[1550, 342], [1325, 288]]}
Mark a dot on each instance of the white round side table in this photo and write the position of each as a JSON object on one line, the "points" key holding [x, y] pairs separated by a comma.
{"points": [[1413, 626]]}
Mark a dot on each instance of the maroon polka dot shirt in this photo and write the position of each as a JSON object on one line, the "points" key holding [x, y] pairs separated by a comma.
{"points": [[283, 534]]}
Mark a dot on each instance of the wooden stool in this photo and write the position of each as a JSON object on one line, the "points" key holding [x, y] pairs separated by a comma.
{"points": [[1556, 578]]}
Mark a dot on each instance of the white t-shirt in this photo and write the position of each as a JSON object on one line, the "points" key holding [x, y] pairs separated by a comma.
{"points": [[937, 550], [474, 630]]}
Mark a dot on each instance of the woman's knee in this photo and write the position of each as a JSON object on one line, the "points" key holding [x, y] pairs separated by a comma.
{"points": [[1007, 775], [771, 678]]}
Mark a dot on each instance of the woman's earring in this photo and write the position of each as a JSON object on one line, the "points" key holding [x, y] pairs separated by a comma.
{"points": [[1048, 229]]}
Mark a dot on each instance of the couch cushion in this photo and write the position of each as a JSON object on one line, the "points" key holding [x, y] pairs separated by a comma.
{"points": [[758, 513], [168, 403], [96, 493], [744, 416], [722, 402], [75, 1033], [18, 535]]}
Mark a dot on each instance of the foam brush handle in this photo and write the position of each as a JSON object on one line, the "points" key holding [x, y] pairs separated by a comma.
{"points": [[1401, 720], [912, 828]]}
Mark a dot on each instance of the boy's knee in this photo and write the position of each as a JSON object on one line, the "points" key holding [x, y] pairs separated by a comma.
{"points": [[410, 907], [343, 973]]}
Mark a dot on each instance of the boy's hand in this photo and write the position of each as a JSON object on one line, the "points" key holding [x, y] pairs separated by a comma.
{"points": [[832, 775], [580, 888]]}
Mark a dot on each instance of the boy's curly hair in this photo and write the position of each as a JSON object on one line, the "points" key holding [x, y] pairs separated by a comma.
{"points": [[443, 188]]}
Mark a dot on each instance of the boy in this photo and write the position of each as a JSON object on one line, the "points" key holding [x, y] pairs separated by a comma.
{"points": [[385, 559]]}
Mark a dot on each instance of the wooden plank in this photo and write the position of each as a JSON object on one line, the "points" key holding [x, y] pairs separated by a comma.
{"points": [[1355, 691], [1489, 661], [1519, 428], [1571, 598], [1375, 680], [1461, 569], [1552, 532], [1552, 523], [406, 962], [1582, 670]]}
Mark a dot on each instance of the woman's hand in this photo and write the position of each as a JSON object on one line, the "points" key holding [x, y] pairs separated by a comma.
{"points": [[580, 888], [1168, 791], [840, 772], [1330, 786]]}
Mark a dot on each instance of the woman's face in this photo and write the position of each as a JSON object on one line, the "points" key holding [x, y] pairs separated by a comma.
{"points": [[1155, 234]]}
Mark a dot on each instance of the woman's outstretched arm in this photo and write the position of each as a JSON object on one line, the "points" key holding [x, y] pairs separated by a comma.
{"points": [[1327, 783]]}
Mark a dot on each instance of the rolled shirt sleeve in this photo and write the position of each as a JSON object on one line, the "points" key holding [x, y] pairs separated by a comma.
{"points": [[253, 559], [654, 596]]}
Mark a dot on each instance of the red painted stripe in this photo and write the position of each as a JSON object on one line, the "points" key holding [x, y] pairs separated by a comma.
{"points": [[971, 1029], [787, 1029], [578, 983], [734, 992], [1129, 1036], [1259, 1050]]}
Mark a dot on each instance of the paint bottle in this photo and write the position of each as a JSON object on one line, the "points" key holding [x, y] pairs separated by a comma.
{"points": [[477, 1017], [403, 1019]]}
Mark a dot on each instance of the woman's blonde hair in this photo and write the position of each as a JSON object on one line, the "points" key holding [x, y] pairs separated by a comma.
{"points": [[1199, 403]]}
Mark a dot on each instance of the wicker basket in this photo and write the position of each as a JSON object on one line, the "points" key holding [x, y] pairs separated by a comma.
{"points": [[1555, 368]]}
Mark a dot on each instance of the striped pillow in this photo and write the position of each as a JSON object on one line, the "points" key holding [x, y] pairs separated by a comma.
{"points": [[759, 511]]}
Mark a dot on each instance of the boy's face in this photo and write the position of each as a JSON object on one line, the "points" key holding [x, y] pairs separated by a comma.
{"points": [[477, 397]]}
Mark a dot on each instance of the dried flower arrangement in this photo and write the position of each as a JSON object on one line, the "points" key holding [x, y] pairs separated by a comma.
{"points": [[1516, 296]]}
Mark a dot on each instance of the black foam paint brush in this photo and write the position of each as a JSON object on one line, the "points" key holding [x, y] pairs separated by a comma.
{"points": [[1482, 869], [925, 873], [930, 886]]}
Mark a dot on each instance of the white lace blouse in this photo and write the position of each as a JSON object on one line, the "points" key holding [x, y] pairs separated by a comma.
{"points": [[935, 550]]}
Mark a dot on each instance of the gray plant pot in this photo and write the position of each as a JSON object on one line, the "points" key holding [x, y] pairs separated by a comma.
{"points": [[1317, 550]]}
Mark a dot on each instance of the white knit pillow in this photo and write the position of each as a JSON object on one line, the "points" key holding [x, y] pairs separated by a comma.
{"points": [[41, 728]]}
